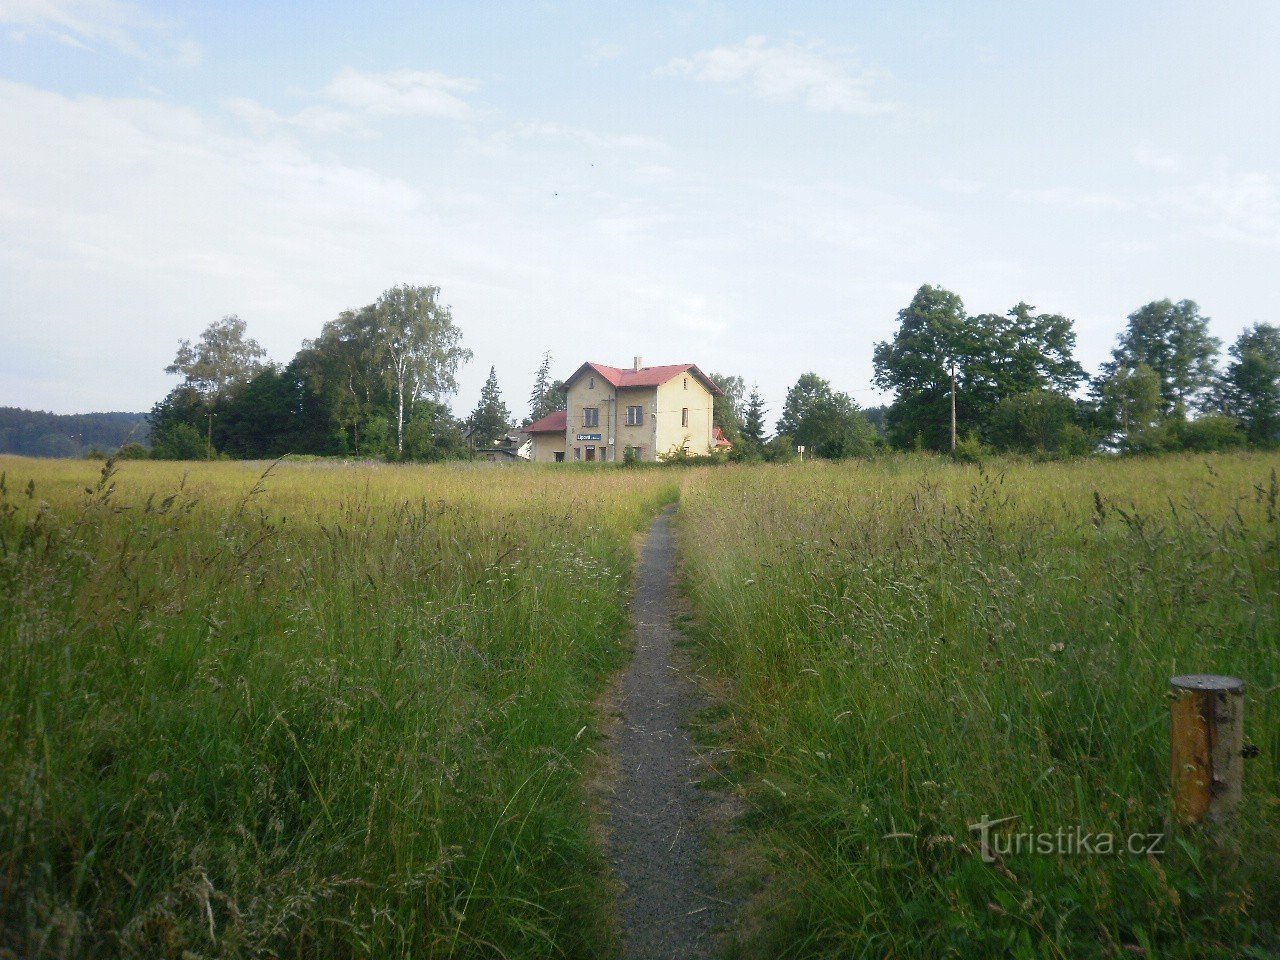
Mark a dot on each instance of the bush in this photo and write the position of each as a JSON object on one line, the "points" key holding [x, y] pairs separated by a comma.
{"points": [[133, 451], [780, 449], [1037, 421], [181, 441], [969, 449], [1211, 432]]}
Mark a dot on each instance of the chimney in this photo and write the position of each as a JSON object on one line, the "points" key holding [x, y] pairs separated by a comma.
{"points": [[637, 363]]}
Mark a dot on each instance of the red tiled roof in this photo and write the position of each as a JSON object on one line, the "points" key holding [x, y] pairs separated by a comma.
{"points": [[551, 423], [722, 442], [621, 377]]}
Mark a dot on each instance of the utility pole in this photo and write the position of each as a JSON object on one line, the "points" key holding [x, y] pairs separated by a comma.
{"points": [[208, 444], [953, 406]]}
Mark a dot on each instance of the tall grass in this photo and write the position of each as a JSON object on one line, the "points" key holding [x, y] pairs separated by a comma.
{"points": [[913, 644], [315, 712]]}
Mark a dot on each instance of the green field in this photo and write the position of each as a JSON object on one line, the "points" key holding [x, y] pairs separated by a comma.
{"points": [[913, 644], [350, 711], [344, 715]]}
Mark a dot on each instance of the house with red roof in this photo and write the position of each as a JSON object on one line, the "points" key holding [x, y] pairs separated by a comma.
{"points": [[651, 412]]}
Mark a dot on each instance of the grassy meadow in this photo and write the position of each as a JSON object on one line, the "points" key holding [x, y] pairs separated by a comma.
{"points": [[911, 644], [348, 710], [332, 711]]}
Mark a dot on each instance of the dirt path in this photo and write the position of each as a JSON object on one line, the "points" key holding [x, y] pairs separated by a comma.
{"points": [[657, 811]]}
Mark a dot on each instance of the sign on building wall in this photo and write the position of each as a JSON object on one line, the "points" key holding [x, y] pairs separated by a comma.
{"points": [[589, 436]]}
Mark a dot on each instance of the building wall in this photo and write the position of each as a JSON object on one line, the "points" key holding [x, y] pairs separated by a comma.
{"points": [[582, 394], [545, 446], [642, 436], [672, 397], [661, 430]]}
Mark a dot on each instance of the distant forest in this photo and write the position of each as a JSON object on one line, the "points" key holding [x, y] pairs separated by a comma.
{"points": [[34, 433]]}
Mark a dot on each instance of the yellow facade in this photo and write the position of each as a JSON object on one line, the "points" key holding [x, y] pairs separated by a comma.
{"points": [[545, 446], [603, 421]]}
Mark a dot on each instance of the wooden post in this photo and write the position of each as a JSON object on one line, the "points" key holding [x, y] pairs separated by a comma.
{"points": [[953, 406], [1207, 739]]}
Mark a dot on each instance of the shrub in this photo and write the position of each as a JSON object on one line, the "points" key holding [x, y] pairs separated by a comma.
{"points": [[1211, 432], [133, 451]]}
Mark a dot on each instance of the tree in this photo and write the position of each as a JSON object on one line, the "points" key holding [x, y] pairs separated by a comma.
{"points": [[220, 361], [422, 349], [342, 365], [878, 417], [993, 356], [726, 410], [1250, 386], [1019, 352], [825, 422], [1131, 401], [180, 442], [373, 365], [753, 428], [1172, 340], [278, 412], [916, 366], [1038, 420], [182, 413], [433, 434], [548, 395], [1207, 434], [491, 418]]}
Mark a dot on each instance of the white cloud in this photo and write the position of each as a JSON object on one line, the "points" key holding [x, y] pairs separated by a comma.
{"points": [[1241, 206], [127, 224], [1151, 158], [599, 52], [960, 185], [1071, 198], [403, 93], [588, 138], [318, 119], [785, 73], [358, 99], [91, 24]]}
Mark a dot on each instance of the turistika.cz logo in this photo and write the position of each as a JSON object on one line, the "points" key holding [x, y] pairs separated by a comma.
{"points": [[996, 843]]}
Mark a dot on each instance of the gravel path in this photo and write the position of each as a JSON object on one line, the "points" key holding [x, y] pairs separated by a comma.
{"points": [[657, 811]]}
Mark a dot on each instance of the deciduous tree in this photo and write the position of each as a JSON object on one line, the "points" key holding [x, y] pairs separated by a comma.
{"points": [[1250, 386], [220, 361], [825, 422], [1172, 340], [421, 348]]}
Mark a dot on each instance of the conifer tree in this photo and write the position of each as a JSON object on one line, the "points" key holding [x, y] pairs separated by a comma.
{"points": [[491, 418]]}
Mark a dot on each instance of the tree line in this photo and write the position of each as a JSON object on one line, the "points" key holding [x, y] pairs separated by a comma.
{"points": [[375, 383], [35, 433], [1016, 386]]}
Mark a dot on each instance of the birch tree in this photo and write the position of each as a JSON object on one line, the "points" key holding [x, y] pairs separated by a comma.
{"points": [[422, 349]]}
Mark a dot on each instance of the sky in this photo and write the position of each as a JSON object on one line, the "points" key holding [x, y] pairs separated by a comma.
{"points": [[757, 188]]}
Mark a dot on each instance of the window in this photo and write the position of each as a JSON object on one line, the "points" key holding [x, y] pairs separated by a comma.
{"points": [[559, 456], [577, 453], [684, 417], [591, 416], [591, 384], [591, 454], [634, 453], [635, 416], [686, 383]]}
